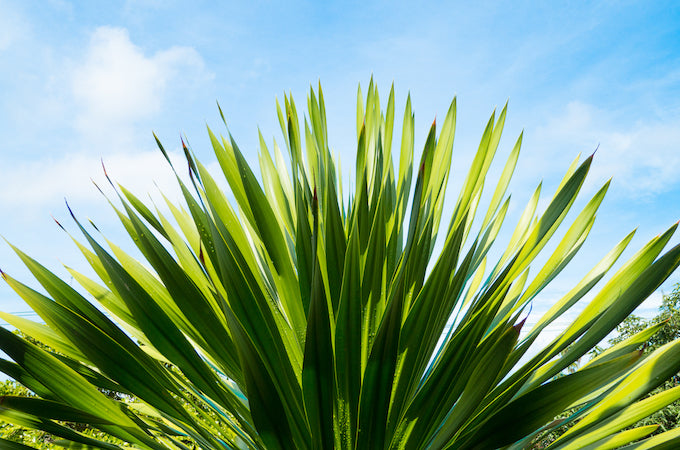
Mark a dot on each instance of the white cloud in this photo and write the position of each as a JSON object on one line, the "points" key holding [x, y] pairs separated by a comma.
{"points": [[643, 158], [71, 177], [40, 187], [117, 84], [550, 332], [114, 87]]}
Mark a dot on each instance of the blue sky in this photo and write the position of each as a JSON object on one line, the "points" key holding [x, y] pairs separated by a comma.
{"points": [[85, 81]]}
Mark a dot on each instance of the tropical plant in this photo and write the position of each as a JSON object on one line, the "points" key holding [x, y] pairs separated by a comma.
{"points": [[297, 319]]}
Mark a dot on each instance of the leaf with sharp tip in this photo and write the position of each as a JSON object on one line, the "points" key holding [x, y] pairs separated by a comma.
{"points": [[481, 380], [624, 418], [567, 247], [503, 181], [648, 374], [541, 405], [577, 292], [629, 287], [360, 111]]}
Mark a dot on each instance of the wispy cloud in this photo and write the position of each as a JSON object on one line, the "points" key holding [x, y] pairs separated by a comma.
{"points": [[69, 176], [643, 156]]}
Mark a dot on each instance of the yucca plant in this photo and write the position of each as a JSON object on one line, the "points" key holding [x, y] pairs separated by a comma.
{"points": [[297, 319]]}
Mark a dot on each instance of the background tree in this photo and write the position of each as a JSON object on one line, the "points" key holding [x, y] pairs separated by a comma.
{"points": [[669, 316], [669, 319], [16, 433], [41, 439]]}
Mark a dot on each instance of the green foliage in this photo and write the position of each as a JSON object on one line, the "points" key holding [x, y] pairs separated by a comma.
{"points": [[11, 391], [15, 433], [667, 325], [35, 438], [298, 319], [668, 318]]}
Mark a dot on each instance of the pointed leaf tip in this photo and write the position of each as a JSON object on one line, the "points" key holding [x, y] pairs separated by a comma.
{"points": [[106, 174], [69, 210], [93, 225], [518, 326], [97, 186], [219, 108], [596, 149], [57, 222]]}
